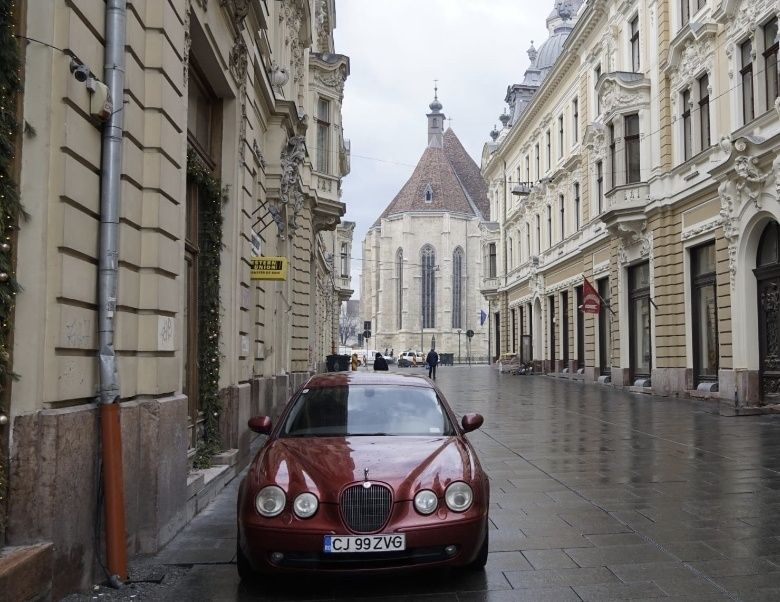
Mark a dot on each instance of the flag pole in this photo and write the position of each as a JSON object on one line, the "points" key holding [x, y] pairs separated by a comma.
{"points": [[606, 303]]}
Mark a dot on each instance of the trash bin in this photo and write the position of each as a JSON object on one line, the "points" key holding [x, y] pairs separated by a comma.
{"points": [[332, 362], [446, 359], [344, 362]]}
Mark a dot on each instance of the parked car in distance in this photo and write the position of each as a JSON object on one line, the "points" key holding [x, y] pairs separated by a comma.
{"points": [[406, 359], [330, 490]]}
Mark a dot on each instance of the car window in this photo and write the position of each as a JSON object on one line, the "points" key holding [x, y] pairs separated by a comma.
{"points": [[366, 410]]}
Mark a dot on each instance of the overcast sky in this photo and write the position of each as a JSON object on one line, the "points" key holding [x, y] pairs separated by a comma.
{"points": [[474, 48]]}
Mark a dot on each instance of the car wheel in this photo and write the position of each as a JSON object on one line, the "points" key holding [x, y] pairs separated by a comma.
{"points": [[245, 570], [481, 559]]}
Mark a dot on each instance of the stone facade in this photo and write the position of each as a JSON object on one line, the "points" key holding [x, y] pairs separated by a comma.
{"points": [[255, 90], [645, 162]]}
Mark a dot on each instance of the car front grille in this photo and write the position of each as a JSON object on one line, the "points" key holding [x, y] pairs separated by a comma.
{"points": [[366, 509]]}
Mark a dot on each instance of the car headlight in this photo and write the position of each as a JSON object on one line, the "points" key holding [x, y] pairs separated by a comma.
{"points": [[425, 501], [270, 501], [305, 505], [458, 497]]}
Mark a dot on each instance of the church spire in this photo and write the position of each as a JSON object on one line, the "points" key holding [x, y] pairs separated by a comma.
{"points": [[435, 121]]}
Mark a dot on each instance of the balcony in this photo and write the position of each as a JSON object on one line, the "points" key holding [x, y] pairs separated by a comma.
{"points": [[489, 286], [636, 194]]}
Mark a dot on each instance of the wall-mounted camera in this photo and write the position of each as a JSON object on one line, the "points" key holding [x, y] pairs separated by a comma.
{"points": [[79, 70]]}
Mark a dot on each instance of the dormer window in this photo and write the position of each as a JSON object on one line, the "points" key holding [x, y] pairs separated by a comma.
{"points": [[428, 194]]}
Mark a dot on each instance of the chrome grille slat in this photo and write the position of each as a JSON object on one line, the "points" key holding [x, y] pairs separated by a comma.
{"points": [[366, 509]]}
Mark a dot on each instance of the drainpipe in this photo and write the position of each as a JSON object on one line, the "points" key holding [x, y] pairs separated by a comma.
{"points": [[111, 167]]}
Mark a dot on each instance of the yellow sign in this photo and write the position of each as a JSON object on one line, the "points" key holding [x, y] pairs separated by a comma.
{"points": [[268, 268]]}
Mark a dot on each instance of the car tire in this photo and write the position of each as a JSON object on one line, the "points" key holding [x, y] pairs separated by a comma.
{"points": [[480, 560], [245, 570]]}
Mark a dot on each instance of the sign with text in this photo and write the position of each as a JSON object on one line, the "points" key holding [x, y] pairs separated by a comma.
{"points": [[268, 268]]}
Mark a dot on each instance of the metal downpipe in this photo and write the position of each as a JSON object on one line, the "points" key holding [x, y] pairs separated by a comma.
{"points": [[111, 167]]}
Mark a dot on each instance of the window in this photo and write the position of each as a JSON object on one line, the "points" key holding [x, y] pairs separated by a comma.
{"points": [[399, 291], [639, 326], [549, 150], [457, 288], [600, 186], [746, 72], [562, 209], [596, 76], [770, 62], [635, 44], [323, 135], [538, 234], [560, 136], [631, 126], [685, 12], [605, 326], [575, 122], [344, 259], [576, 206], [538, 171], [428, 266], [704, 111], [492, 268], [428, 194], [686, 124], [612, 155], [510, 254], [705, 313], [514, 330], [528, 239], [549, 225], [527, 169]]}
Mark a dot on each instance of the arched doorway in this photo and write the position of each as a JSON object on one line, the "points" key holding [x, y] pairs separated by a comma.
{"points": [[767, 274]]}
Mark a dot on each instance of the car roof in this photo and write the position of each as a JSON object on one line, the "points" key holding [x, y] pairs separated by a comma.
{"points": [[341, 379]]}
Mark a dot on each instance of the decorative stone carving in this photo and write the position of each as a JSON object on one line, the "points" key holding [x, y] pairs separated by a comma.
{"points": [[750, 179], [187, 42], [276, 214], [701, 228], [239, 9], [258, 155], [291, 194], [291, 14], [279, 77], [747, 16], [696, 54], [239, 59], [333, 79], [595, 139], [204, 4], [323, 26], [612, 96]]}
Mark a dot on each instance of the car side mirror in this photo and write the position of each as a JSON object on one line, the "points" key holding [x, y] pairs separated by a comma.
{"points": [[261, 424], [471, 422]]}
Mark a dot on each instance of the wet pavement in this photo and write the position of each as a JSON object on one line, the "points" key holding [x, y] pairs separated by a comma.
{"points": [[597, 494]]}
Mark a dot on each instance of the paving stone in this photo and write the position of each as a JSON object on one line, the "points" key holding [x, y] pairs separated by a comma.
{"points": [[618, 591], [549, 559], [558, 577], [617, 555]]}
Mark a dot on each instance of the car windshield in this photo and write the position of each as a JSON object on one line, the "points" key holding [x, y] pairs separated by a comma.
{"points": [[366, 410]]}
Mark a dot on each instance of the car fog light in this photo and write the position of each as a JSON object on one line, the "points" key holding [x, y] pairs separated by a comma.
{"points": [[425, 501], [450, 550], [270, 501], [458, 497], [277, 557], [305, 505]]}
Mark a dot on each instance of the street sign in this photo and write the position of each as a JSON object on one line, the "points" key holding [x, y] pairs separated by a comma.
{"points": [[469, 333], [366, 334]]}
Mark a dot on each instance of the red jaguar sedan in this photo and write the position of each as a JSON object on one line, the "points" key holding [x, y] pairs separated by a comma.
{"points": [[363, 472]]}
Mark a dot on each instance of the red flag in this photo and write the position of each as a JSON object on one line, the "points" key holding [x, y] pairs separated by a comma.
{"points": [[591, 302]]}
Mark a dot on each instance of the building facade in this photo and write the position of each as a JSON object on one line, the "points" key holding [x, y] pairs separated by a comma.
{"points": [[231, 148], [643, 160], [421, 258]]}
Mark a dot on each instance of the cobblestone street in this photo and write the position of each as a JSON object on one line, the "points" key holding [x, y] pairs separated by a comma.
{"points": [[597, 494]]}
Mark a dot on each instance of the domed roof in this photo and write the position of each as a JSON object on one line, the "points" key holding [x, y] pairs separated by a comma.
{"points": [[551, 48]]}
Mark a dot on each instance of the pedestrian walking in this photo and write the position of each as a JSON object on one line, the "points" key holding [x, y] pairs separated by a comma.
{"points": [[380, 363], [355, 361], [432, 359]]}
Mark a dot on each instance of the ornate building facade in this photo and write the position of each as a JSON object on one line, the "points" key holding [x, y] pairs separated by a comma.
{"points": [[644, 161], [231, 148], [421, 258]]}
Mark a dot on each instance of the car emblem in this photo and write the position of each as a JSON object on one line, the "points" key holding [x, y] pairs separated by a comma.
{"points": [[366, 483]]}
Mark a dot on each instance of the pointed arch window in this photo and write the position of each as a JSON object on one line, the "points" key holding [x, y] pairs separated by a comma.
{"points": [[428, 267], [428, 194], [457, 288], [399, 293]]}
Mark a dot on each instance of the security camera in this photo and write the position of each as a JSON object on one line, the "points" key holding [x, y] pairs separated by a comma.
{"points": [[79, 70]]}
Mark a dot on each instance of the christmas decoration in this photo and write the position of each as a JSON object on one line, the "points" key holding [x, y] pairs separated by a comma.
{"points": [[10, 207], [211, 198]]}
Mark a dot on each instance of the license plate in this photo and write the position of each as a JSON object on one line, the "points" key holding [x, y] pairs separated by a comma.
{"points": [[336, 544]]}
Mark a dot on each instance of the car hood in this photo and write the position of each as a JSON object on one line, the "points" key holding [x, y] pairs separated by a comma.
{"points": [[326, 465]]}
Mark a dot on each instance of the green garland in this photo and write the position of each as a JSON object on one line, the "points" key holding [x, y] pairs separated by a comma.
{"points": [[10, 206], [211, 198]]}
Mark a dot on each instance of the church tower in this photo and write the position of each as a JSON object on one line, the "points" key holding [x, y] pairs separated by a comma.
{"points": [[436, 122]]}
